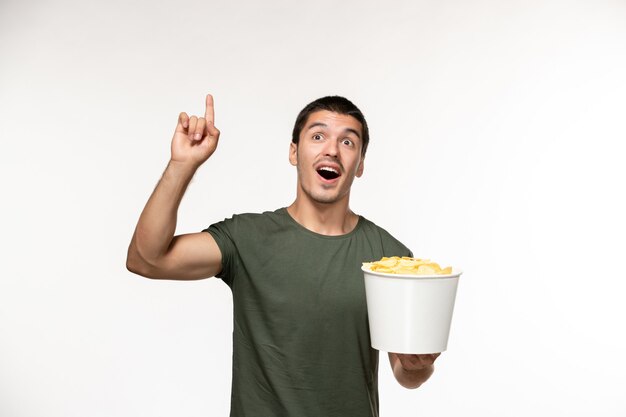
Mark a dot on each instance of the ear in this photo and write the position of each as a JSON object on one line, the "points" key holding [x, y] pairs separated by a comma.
{"points": [[359, 170], [293, 154]]}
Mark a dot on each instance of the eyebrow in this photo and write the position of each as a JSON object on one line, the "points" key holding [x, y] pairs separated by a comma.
{"points": [[347, 129]]}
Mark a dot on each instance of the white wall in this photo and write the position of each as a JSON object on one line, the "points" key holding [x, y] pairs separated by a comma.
{"points": [[495, 128]]}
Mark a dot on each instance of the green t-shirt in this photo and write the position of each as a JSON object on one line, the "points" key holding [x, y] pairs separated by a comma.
{"points": [[301, 343]]}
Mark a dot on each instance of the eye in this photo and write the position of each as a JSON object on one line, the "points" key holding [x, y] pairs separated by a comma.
{"points": [[317, 136], [347, 142]]}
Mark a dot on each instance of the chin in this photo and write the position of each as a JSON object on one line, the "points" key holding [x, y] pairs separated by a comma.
{"points": [[325, 200], [322, 195], [322, 198]]}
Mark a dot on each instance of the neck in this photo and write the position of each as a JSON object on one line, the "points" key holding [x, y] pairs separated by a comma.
{"points": [[331, 219]]}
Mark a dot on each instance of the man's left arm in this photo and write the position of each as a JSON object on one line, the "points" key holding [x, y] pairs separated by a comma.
{"points": [[411, 371]]}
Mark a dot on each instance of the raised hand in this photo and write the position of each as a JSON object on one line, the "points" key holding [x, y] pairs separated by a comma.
{"points": [[195, 138]]}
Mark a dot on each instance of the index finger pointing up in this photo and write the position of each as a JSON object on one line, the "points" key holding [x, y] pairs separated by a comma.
{"points": [[209, 115]]}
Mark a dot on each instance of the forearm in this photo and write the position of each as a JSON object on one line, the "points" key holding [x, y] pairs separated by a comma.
{"points": [[157, 223]]}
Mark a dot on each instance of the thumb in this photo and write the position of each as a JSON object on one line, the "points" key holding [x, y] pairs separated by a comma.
{"points": [[183, 122]]}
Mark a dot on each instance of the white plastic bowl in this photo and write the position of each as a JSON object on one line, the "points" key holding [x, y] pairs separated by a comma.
{"points": [[410, 313]]}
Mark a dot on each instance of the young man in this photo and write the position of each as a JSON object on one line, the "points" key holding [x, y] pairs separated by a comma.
{"points": [[301, 339]]}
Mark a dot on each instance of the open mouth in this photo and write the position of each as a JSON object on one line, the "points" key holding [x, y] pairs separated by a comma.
{"points": [[328, 173]]}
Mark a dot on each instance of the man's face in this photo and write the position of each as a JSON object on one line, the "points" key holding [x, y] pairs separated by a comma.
{"points": [[328, 156]]}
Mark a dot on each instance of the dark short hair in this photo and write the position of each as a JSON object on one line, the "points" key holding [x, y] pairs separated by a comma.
{"points": [[336, 104]]}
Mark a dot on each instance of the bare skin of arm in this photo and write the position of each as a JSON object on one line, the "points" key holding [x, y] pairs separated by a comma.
{"points": [[411, 371], [154, 251]]}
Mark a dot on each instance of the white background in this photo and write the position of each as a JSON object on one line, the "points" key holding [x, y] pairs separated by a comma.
{"points": [[496, 130]]}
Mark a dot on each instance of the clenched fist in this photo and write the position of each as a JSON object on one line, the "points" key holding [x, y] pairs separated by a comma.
{"points": [[411, 371], [195, 138]]}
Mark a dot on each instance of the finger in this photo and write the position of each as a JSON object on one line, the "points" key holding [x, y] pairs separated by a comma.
{"points": [[183, 122], [419, 361], [193, 121], [428, 359], [213, 131], [409, 361], [209, 114], [199, 132]]}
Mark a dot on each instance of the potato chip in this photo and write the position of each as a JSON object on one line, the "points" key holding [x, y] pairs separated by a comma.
{"points": [[407, 265], [447, 270]]}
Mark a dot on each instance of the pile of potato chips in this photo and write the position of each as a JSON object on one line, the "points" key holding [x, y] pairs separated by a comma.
{"points": [[406, 265]]}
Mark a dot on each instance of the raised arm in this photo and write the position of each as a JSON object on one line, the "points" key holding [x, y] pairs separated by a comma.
{"points": [[154, 251]]}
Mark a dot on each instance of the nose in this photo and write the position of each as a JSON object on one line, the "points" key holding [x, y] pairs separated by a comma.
{"points": [[331, 148]]}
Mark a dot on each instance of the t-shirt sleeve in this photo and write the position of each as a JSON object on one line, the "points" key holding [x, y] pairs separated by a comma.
{"points": [[393, 247], [405, 251], [223, 235]]}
